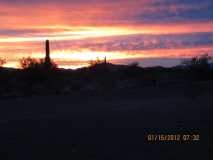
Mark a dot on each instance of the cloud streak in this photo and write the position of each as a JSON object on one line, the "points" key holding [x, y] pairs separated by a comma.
{"points": [[138, 27]]}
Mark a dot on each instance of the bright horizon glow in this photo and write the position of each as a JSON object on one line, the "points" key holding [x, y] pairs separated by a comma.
{"points": [[84, 56], [81, 31], [69, 59]]}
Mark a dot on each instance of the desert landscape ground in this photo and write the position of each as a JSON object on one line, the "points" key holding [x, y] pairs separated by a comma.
{"points": [[108, 126]]}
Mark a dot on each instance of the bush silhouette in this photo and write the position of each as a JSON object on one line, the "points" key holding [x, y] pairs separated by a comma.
{"points": [[36, 64], [99, 66], [2, 62], [93, 63], [201, 62], [199, 67], [37, 70]]}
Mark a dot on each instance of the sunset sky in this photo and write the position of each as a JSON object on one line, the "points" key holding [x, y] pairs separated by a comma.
{"points": [[122, 30]]}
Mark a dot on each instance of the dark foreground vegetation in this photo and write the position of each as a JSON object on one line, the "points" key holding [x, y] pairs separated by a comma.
{"points": [[106, 111], [38, 78]]}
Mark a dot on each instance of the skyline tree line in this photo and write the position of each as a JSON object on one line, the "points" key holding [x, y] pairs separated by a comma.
{"points": [[29, 62]]}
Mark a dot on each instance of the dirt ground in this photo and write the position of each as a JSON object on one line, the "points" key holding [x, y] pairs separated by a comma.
{"points": [[107, 126]]}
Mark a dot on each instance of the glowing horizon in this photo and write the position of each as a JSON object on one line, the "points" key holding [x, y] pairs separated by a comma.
{"points": [[80, 31], [76, 59]]}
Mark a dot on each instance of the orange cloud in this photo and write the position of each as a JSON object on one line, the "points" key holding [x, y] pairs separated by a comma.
{"points": [[27, 25]]}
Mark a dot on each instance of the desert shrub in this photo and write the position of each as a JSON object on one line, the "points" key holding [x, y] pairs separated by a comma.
{"points": [[98, 67], [2, 75], [2, 62], [199, 62], [36, 64], [37, 70], [95, 62], [199, 67]]}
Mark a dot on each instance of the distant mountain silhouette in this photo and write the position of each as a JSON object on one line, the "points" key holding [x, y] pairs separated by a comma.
{"points": [[109, 66]]}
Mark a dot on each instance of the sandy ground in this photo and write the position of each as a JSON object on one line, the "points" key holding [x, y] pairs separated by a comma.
{"points": [[105, 126]]}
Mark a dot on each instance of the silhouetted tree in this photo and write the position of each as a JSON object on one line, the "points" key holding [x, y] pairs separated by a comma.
{"points": [[95, 62], [36, 64], [199, 62], [27, 63], [2, 62], [37, 71], [4, 78], [199, 67]]}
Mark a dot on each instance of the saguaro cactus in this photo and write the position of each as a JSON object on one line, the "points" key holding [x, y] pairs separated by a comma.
{"points": [[47, 57]]}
